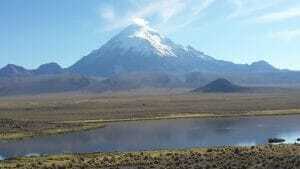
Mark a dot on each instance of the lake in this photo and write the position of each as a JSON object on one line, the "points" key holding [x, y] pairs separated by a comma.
{"points": [[161, 134]]}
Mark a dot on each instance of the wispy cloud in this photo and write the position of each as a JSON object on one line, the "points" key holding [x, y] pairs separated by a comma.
{"points": [[170, 16], [107, 13], [248, 8], [161, 11], [196, 10], [286, 35], [280, 16]]}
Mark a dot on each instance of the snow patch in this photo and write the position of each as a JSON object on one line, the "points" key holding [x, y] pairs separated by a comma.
{"points": [[141, 22], [145, 41], [155, 41]]}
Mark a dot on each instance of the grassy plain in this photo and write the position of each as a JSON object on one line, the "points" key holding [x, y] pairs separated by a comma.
{"points": [[259, 157], [71, 107], [28, 116], [20, 129], [25, 116]]}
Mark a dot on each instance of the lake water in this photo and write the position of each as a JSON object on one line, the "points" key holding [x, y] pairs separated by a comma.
{"points": [[161, 134]]}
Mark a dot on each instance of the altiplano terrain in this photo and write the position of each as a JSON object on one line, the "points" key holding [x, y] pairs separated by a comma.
{"points": [[58, 112], [150, 84], [259, 157]]}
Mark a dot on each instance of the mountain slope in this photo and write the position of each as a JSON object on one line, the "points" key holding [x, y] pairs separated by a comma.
{"points": [[136, 48], [42, 84], [139, 48], [136, 81]]}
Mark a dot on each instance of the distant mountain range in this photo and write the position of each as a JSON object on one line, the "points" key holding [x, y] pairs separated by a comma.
{"points": [[11, 70], [140, 57], [225, 86], [43, 84], [141, 49]]}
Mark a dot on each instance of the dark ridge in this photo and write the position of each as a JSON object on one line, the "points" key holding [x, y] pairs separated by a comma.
{"points": [[49, 69], [262, 66], [12, 70], [43, 84], [221, 86], [136, 80]]}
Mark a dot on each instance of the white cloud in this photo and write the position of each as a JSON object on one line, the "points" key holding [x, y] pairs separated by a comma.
{"points": [[279, 16], [286, 35], [196, 10], [162, 10], [140, 21], [173, 15], [246, 8], [107, 14], [201, 6]]}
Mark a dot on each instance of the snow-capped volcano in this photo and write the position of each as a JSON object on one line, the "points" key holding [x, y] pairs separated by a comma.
{"points": [[139, 48], [156, 42], [143, 39]]}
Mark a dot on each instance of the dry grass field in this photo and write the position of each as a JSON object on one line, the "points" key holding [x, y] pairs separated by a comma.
{"points": [[59, 113], [19, 129], [70, 107], [259, 157], [27, 116]]}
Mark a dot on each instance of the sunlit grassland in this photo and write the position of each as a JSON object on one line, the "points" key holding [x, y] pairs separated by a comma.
{"points": [[61, 113], [261, 157]]}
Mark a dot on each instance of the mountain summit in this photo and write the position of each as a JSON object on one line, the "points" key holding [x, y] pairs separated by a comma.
{"points": [[49, 69], [11, 70], [139, 48], [262, 66], [144, 40]]}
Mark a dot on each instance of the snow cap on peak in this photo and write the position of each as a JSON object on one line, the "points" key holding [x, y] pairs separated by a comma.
{"points": [[141, 24], [140, 21], [142, 38]]}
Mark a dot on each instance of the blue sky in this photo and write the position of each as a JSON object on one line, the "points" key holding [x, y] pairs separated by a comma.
{"points": [[33, 32]]}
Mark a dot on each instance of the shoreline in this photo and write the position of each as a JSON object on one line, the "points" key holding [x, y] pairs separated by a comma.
{"points": [[266, 113], [7, 137], [100, 123]]}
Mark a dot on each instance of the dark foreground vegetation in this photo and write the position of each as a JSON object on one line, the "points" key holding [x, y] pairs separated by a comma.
{"points": [[259, 157]]}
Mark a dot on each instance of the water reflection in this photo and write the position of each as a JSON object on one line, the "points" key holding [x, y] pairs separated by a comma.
{"points": [[161, 134]]}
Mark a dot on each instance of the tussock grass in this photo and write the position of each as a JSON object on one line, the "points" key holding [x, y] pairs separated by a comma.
{"points": [[255, 157]]}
